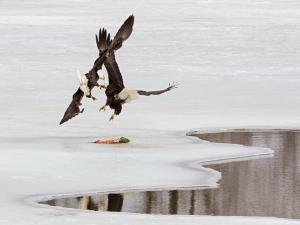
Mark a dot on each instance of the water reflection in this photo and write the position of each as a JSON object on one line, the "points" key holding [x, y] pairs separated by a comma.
{"points": [[264, 187]]}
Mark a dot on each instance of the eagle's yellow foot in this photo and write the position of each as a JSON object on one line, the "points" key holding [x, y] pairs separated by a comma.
{"points": [[103, 86], [103, 108], [112, 117]]}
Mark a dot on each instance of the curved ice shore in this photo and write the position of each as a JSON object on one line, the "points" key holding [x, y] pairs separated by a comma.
{"points": [[74, 167]]}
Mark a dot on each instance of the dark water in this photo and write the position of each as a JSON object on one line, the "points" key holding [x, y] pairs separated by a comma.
{"points": [[261, 187]]}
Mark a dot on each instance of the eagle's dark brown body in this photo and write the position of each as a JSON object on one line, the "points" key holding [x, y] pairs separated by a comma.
{"points": [[115, 85], [115, 79]]}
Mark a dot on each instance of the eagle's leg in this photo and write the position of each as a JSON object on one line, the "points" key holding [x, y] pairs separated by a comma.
{"points": [[102, 86], [91, 96], [103, 108], [112, 117]]}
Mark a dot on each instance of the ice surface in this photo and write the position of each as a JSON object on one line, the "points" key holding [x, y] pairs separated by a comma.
{"points": [[237, 65]]}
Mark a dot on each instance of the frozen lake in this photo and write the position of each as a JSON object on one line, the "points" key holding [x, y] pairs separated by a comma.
{"points": [[264, 187]]}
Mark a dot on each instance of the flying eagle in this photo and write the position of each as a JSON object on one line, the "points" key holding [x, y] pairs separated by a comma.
{"points": [[90, 80], [116, 92]]}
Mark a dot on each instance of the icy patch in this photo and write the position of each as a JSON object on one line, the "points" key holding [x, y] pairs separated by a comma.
{"points": [[56, 166]]}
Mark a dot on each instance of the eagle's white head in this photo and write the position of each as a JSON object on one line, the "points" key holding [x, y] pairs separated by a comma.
{"points": [[83, 82], [128, 95]]}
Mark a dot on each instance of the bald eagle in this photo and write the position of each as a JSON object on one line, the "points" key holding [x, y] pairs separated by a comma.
{"points": [[116, 92]]}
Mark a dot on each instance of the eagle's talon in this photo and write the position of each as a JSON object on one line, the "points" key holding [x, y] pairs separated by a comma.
{"points": [[103, 86], [103, 108], [112, 117]]}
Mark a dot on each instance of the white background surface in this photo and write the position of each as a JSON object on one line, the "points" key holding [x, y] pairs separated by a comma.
{"points": [[237, 63]]}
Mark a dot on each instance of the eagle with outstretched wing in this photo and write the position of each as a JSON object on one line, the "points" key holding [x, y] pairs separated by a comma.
{"points": [[116, 92]]}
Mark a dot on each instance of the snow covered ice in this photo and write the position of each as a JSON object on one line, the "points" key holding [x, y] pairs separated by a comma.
{"points": [[237, 63]]}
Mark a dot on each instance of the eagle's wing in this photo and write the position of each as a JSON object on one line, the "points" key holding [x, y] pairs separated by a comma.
{"points": [[148, 93], [103, 42], [114, 75], [123, 33], [73, 109]]}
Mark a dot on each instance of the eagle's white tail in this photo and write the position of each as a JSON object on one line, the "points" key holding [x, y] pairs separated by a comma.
{"points": [[128, 95]]}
